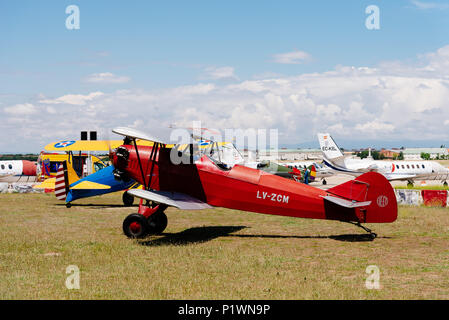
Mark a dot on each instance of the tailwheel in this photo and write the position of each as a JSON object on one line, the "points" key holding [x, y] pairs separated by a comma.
{"points": [[128, 199], [371, 233], [158, 221], [136, 226]]}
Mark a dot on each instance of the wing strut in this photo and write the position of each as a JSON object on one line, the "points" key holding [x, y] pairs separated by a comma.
{"points": [[140, 162]]}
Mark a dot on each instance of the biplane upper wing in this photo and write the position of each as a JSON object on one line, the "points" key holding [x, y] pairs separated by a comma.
{"points": [[136, 134], [173, 199], [89, 145], [139, 135], [83, 145]]}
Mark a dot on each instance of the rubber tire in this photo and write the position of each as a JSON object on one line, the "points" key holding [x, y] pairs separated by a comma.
{"points": [[141, 220], [128, 199], [324, 182], [158, 221]]}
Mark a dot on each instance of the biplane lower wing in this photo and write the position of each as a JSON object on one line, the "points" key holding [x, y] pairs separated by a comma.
{"points": [[173, 199]]}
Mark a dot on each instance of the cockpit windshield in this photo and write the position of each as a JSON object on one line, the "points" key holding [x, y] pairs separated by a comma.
{"points": [[224, 154]]}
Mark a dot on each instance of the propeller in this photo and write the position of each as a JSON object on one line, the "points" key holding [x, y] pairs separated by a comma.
{"points": [[118, 157]]}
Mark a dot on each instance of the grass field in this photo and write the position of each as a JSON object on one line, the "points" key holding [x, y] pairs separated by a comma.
{"points": [[215, 254]]}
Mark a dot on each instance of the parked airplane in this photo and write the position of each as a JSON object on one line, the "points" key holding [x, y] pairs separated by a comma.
{"points": [[17, 171], [184, 178], [322, 171], [69, 187], [392, 170]]}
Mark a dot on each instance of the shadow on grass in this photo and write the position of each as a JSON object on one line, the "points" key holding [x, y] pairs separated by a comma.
{"points": [[204, 234], [96, 205], [343, 237], [193, 235]]}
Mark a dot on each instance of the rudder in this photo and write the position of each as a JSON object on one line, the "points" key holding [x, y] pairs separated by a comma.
{"points": [[370, 187]]}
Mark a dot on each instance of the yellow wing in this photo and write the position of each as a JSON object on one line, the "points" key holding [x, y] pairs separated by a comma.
{"points": [[89, 145], [86, 185], [46, 184]]}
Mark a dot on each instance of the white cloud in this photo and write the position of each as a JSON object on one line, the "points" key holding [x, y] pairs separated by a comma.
{"points": [[294, 57], [354, 103], [429, 5], [21, 109], [106, 78], [375, 126], [214, 73], [73, 99]]}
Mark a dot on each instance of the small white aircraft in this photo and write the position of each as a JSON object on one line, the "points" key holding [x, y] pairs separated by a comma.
{"points": [[392, 170], [17, 171]]}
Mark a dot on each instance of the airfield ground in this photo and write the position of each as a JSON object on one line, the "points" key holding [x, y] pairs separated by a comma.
{"points": [[215, 254]]}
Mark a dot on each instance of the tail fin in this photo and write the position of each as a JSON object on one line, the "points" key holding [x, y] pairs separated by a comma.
{"points": [[65, 176], [329, 148], [368, 198]]}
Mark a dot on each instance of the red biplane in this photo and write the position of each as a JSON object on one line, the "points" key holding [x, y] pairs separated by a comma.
{"points": [[184, 178]]}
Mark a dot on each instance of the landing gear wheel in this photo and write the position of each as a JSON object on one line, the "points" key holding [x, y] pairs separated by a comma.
{"points": [[128, 199], [410, 184], [445, 183], [157, 222], [136, 226], [324, 182], [68, 205]]}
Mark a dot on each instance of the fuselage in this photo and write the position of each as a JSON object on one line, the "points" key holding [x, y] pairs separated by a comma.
{"points": [[17, 170], [392, 170], [239, 187]]}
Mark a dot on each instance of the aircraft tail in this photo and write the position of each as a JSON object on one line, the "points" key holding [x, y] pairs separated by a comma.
{"points": [[330, 149], [368, 198], [65, 176]]}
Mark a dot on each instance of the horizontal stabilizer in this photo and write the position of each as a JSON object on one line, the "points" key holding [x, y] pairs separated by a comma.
{"points": [[89, 185], [347, 203], [173, 199]]}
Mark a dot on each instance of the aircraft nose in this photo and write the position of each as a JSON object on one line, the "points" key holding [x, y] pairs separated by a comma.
{"points": [[120, 161]]}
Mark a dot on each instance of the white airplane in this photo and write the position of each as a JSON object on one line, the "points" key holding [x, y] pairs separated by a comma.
{"points": [[392, 170], [17, 171]]}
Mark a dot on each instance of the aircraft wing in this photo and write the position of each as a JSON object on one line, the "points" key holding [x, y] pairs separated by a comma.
{"points": [[136, 134], [89, 185], [174, 199], [89, 145], [46, 184]]}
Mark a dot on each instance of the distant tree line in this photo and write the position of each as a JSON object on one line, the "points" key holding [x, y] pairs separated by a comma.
{"points": [[30, 157], [426, 156]]}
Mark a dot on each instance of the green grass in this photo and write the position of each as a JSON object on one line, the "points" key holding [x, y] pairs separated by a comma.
{"points": [[215, 254], [433, 187]]}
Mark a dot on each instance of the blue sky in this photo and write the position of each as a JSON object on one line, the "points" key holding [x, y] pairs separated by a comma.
{"points": [[149, 46]]}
